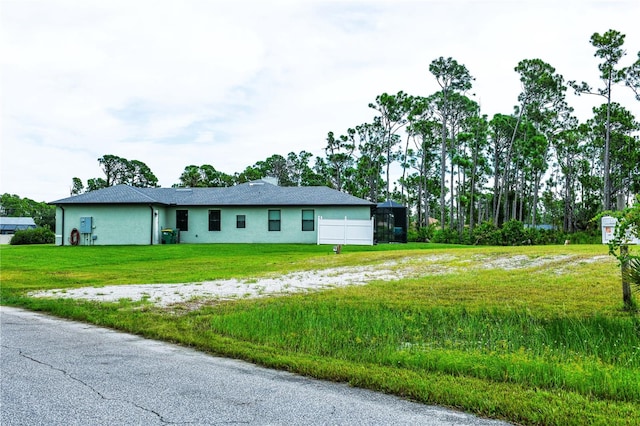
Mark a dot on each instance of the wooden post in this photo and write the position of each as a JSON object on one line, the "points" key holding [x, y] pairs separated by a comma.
{"points": [[626, 286]]}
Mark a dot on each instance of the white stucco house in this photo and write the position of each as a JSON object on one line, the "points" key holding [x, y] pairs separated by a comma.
{"points": [[256, 212]]}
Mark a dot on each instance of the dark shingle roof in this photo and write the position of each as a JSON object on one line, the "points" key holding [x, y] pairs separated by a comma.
{"points": [[257, 193]]}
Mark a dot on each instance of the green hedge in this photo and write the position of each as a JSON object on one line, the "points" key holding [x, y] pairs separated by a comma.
{"points": [[33, 236]]}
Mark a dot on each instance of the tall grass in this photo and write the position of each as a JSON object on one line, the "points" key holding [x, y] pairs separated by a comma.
{"points": [[595, 356]]}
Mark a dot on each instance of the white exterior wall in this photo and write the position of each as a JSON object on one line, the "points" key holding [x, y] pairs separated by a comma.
{"points": [[345, 231]]}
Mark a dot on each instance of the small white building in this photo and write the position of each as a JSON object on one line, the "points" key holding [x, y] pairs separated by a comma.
{"points": [[9, 226]]}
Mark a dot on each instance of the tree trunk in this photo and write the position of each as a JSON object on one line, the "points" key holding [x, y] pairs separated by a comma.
{"points": [[518, 196], [607, 143], [388, 166], [443, 165], [419, 197], [567, 202], [451, 197], [496, 189], [404, 171], [506, 166], [523, 195], [626, 286], [473, 187], [536, 189], [506, 189]]}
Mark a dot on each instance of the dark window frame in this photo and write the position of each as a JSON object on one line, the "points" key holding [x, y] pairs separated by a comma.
{"points": [[308, 224], [241, 221], [182, 220], [215, 220], [275, 225]]}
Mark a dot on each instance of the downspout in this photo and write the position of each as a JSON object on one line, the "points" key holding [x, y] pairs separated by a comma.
{"points": [[62, 239], [151, 240]]}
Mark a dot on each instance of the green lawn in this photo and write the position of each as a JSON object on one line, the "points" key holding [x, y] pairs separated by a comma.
{"points": [[532, 335]]}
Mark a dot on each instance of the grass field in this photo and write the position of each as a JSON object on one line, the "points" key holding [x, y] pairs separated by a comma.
{"points": [[531, 335]]}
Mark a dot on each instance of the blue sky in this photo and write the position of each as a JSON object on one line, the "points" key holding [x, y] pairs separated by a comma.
{"points": [[175, 83]]}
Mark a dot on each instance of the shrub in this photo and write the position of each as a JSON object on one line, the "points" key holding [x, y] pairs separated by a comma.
{"points": [[551, 236], [486, 234], [423, 235], [33, 236], [446, 236], [534, 236], [633, 271], [513, 234], [583, 237]]}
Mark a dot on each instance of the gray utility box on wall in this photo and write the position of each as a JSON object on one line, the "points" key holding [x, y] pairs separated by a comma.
{"points": [[86, 225]]}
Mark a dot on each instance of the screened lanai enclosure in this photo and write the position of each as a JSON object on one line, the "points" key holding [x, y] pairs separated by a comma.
{"points": [[391, 223]]}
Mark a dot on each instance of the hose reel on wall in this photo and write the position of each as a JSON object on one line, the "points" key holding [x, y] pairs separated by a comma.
{"points": [[74, 239]]}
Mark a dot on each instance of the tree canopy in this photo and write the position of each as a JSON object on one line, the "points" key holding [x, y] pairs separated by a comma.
{"points": [[442, 157]]}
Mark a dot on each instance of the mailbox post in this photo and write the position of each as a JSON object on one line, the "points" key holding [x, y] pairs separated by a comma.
{"points": [[609, 225]]}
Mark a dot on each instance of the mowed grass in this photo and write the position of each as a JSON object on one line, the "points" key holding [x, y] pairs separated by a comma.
{"points": [[532, 335]]}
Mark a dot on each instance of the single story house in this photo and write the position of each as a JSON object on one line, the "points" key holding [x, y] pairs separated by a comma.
{"points": [[9, 226], [255, 212]]}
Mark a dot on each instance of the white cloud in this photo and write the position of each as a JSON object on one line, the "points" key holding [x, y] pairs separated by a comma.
{"points": [[231, 83]]}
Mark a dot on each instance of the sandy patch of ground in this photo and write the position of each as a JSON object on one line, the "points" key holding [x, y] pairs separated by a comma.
{"points": [[315, 280], [522, 261], [167, 294]]}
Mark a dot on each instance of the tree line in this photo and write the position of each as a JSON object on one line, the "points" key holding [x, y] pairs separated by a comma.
{"points": [[537, 164], [43, 215]]}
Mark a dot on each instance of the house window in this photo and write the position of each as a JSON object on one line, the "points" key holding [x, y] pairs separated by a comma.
{"points": [[241, 221], [274, 220], [308, 220], [182, 220], [214, 220]]}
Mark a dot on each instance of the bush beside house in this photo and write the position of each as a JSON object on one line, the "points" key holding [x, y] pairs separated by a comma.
{"points": [[33, 236]]}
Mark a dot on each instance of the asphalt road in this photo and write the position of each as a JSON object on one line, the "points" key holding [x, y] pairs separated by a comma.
{"points": [[57, 372]]}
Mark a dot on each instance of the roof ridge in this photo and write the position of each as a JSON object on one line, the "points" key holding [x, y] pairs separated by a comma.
{"points": [[141, 192]]}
